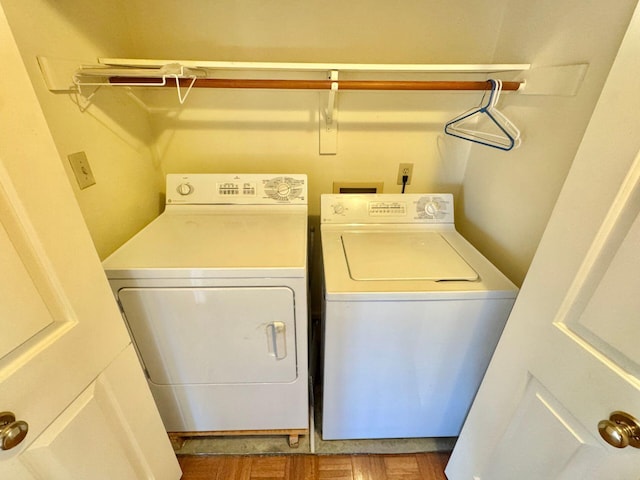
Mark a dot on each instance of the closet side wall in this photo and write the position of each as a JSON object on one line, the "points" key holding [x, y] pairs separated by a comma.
{"points": [[507, 198], [113, 132]]}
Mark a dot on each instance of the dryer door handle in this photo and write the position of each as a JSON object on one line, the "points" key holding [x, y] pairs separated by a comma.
{"points": [[277, 339]]}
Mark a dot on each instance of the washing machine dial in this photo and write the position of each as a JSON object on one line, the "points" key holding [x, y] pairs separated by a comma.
{"points": [[185, 189], [283, 189], [431, 208], [338, 208]]}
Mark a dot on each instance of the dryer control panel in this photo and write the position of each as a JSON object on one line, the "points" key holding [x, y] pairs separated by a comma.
{"points": [[242, 189], [387, 208]]}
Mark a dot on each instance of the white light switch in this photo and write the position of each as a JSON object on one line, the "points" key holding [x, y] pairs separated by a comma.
{"points": [[81, 169]]}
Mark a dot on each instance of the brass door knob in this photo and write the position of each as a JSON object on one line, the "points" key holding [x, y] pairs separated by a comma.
{"points": [[12, 432], [621, 430]]}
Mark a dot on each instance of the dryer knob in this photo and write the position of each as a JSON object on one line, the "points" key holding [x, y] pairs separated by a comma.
{"points": [[338, 208], [185, 189]]}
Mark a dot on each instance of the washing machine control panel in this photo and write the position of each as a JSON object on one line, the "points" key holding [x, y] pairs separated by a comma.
{"points": [[248, 189], [387, 208]]}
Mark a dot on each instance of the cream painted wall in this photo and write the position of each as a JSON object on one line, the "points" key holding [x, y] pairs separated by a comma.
{"points": [[507, 198], [365, 31], [269, 131], [277, 132], [113, 132]]}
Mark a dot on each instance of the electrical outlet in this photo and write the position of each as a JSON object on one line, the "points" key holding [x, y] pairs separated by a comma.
{"points": [[81, 169], [405, 169]]}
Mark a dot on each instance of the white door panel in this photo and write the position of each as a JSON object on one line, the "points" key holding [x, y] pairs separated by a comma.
{"points": [[27, 307], [586, 358], [60, 326], [51, 317], [569, 357], [524, 451], [106, 416], [608, 291], [546, 441]]}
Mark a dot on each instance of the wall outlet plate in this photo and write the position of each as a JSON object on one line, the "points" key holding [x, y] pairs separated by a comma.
{"points": [[81, 169], [405, 169]]}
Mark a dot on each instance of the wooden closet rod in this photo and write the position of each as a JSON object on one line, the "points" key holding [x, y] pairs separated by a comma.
{"points": [[318, 84]]}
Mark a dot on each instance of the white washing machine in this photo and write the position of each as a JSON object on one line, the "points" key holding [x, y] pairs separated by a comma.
{"points": [[214, 292], [412, 314]]}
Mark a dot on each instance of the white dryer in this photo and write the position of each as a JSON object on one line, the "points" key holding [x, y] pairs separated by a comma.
{"points": [[214, 292], [412, 314]]}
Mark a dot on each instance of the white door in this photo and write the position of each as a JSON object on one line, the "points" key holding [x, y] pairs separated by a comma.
{"points": [[570, 356], [68, 373]]}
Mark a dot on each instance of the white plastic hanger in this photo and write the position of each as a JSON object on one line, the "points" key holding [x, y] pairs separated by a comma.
{"points": [[493, 128]]}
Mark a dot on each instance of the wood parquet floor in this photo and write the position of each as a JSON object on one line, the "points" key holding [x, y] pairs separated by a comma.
{"points": [[419, 466]]}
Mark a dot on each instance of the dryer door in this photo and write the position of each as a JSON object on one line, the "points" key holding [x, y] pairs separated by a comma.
{"points": [[213, 335]]}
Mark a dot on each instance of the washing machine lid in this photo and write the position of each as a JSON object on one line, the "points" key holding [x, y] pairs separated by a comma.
{"points": [[389, 255]]}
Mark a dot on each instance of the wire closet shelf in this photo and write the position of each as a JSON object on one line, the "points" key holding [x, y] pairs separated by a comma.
{"points": [[187, 75]]}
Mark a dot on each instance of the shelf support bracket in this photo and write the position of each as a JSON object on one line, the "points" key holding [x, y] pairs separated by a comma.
{"points": [[328, 122], [183, 97], [333, 93]]}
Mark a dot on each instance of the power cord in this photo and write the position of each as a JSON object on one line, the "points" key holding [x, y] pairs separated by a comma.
{"points": [[405, 179]]}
